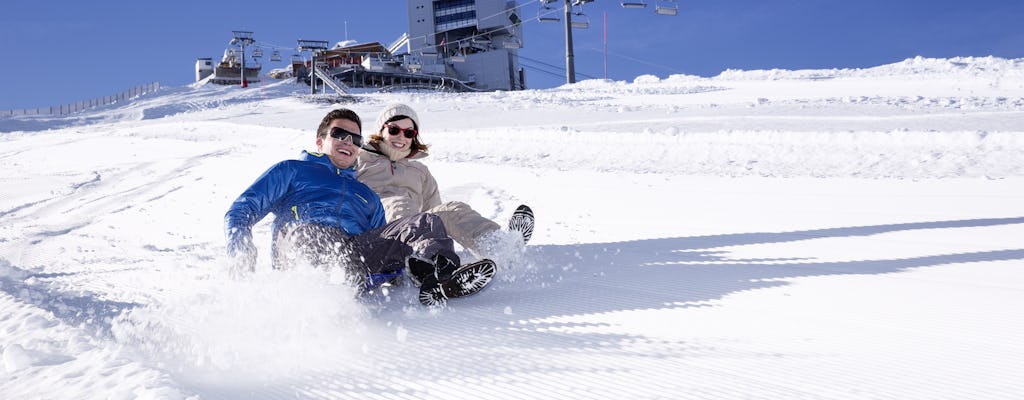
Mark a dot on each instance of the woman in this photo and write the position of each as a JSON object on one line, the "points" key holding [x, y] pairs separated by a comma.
{"points": [[389, 164]]}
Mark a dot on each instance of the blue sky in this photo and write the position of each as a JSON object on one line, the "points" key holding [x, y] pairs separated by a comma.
{"points": [[59, 52]]}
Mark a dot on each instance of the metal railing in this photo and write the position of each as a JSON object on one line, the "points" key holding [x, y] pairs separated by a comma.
{"points": [[65, 109]]}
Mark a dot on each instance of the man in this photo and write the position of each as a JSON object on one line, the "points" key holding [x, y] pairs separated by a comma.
{"points": [[324, 216]]}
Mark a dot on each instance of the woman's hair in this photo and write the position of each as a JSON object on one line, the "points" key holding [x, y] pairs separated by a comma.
{"points": [[341, 113], [416, 144]]}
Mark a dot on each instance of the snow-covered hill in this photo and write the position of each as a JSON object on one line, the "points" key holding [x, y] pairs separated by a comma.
{"points": [[821, 234]]}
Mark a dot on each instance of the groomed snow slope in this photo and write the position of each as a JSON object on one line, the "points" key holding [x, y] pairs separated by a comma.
{"points": [[827, 234]]}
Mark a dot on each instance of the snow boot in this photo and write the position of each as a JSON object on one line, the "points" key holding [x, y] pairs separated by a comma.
{"points": [[466, 280], [522, 222]]}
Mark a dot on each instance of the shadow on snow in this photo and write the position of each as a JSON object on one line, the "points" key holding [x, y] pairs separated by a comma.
{"points": [[659, 273]]}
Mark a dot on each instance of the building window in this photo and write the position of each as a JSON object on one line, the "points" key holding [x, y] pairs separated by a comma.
{"points": [[450, 18], [443, 4]]}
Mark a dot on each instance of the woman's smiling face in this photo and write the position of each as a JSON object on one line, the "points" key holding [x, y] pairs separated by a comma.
{"points": [[398, 141]]}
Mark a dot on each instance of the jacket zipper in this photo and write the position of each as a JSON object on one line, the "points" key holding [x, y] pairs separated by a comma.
{"points": [[341, 200]]}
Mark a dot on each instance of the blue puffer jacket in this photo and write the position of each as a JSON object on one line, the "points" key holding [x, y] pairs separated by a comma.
{"points": [[309, 190]]}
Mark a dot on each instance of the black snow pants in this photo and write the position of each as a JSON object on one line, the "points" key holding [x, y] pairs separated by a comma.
{"points": [[378, 251]]}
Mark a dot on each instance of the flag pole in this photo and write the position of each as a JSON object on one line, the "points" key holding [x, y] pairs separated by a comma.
{"points": [[605, 18]]}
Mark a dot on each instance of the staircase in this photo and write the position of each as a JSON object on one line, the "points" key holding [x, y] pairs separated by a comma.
{"points": [[329, 80], [395, 46]]}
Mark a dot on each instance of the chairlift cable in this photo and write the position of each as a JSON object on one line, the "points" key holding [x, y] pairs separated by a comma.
{"points": [[665, 67], [562, 69]]}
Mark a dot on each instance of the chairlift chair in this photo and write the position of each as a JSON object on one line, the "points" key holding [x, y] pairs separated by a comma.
{"points": [[580, 24], [275, 56], [257, 53], [666, 7], [634, 4], [547, 14], [580, 20]]}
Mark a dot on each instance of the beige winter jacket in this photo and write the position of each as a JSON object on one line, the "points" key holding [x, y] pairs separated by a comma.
{"points": [[406, 187]]}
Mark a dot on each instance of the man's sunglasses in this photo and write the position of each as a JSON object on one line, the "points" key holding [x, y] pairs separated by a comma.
{"points": [[340, 134], [395, 129]]}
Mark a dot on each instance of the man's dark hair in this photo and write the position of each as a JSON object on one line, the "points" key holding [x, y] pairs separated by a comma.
{"points": [[341, 113]]}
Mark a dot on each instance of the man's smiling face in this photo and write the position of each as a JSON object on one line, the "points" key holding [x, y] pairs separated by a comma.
{"points": [[341, 151]]}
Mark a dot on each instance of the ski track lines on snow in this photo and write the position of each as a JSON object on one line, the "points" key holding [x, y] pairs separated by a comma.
{"points": [[664, 278], [645, 289], [582, 364], [105, 193], [744, 153], [574, 365]]}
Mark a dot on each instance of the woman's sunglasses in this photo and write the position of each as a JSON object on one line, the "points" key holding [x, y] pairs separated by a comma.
{"points": [[395, 129], [340, 134]]}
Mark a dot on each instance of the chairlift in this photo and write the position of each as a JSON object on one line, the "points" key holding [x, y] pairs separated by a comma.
{"points": [[512, 44], [634, 4], [275, 56], [666, 7], [584, 24], [257, 53], [547, 14], [580, 20]]}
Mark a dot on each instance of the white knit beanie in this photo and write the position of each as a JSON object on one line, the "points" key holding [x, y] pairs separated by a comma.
{"points": [[394, 110]]}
